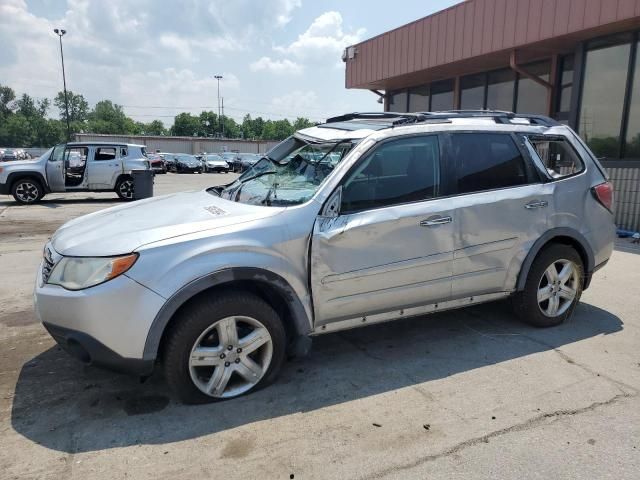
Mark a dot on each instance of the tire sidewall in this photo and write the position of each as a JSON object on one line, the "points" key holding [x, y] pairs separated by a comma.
{"points": [[528, 299], [201, 315], [118, 184]]}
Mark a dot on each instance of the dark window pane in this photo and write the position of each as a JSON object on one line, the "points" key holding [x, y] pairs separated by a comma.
{"points": [[487, 161], [472, 92], [401, 171], [633, 130], [532, 97], [398, 102], [419, 99], [566, 84], [442, 95], [500, 90], [602, 99]]}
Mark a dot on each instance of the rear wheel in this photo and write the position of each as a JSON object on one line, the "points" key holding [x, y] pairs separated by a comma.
{"points": [[223, 347], [553, 287], [27, 190], [124, 188]]}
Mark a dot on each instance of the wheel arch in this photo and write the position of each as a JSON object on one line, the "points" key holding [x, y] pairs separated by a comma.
{"points": [[269, 286], [15, 176], [120, 177], [564, 236]]}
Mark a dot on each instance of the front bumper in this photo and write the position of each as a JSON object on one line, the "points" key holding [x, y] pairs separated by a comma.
{"points": [[105, 325]]}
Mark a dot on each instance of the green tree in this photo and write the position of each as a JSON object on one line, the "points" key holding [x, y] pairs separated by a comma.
{"points": [[156, 127], [16, 131], [7, 95], [301, 123], [186, 125], [107, 117], [78, 106]]}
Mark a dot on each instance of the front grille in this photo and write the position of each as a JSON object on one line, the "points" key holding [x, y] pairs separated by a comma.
{"points": [[47, 264]]}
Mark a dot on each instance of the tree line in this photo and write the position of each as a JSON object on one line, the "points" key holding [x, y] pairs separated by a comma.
{"points": [[24, 122]]}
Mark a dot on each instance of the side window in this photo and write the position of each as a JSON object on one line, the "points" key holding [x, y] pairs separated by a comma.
{"points": [[400, 171], [57, 154], [76, 157], [105, 153], [558, 157], [123, 152], [486, 161]]}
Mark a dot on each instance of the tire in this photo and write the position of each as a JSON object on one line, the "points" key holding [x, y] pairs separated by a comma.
{"points": [[557, 300], [124, 188], [27, 190], [199, 324]]}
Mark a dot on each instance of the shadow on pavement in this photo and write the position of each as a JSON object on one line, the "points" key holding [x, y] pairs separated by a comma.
{"points": [[65, 406]]}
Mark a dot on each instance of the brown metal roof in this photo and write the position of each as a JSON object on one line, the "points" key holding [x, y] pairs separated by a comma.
{"points": [[479, 34]]}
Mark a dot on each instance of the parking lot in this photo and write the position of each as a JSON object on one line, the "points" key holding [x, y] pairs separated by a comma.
{"points": [[465, 394]]}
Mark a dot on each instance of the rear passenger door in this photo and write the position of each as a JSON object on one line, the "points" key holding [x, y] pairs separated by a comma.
{"points": [[104, 167], [501, 209]]}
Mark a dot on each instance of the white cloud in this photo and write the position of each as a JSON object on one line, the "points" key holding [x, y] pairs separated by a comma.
{"points": [[279, 67], [324, 39]]}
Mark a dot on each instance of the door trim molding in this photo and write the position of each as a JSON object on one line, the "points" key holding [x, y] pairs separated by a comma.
{"points": [[407, 312]]}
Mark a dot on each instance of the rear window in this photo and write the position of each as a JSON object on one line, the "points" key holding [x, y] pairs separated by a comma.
{"points": [[105, 153], [557, 156], [486, 161]]}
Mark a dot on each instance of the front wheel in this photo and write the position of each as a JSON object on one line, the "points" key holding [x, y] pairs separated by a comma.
{"points": [[553, 287], [124, 188], [27, 191], [222, 347]]}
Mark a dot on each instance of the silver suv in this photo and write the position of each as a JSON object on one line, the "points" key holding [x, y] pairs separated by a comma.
{"points": [[364, 219], [74, 167]]}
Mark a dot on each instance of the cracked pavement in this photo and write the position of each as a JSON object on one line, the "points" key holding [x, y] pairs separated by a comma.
{"points": [[464, 394]]}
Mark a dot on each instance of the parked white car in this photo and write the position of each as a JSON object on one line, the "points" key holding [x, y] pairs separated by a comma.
{"points": [[74, 167]]}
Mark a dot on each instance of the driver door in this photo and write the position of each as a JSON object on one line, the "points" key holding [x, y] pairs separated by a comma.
{"points": [[391, 246], [55, 169]]}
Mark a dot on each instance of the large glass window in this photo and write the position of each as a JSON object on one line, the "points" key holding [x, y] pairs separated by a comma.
{"points": [[487, 161], [442, 95], [400, 171], [500, 90], [633, 129], [603, 92], [472, 92], [532, 97], [419, 99], [398, 102]]}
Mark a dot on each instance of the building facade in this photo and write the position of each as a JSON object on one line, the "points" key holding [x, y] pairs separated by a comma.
{"points": [[574, 60]]}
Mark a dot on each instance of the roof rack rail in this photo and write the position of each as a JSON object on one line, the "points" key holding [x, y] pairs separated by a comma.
{"points": [[500, 116], [394, 118]]}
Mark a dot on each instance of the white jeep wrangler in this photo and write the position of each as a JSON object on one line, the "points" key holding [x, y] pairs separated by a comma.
{"points": [[75, 167]]}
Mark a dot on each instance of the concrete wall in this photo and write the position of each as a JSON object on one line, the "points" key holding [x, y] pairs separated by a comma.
{"points": [[182, 144]]}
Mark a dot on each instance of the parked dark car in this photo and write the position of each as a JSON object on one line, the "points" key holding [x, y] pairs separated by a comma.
{"points": [[248, 160], [169, 160], [187, 164]]}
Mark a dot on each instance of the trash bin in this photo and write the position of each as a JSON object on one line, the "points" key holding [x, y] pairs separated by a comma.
{"points": [[142, 184]]}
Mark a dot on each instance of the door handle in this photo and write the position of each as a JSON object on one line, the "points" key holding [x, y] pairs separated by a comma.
{"points": [[536, 204], [435, 221]]}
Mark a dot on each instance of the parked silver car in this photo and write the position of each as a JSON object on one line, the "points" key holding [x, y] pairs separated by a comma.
{"points": [[74, 167], [214, 163], [364, 219]]}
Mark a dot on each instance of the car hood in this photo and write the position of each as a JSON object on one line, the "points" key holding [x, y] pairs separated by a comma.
{"points": [[27, 161], [123, 229]]}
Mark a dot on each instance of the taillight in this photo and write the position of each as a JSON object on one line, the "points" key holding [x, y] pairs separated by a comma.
{"points": [[604, 194]]}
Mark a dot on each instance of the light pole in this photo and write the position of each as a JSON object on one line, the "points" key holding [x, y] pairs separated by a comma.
{"points": [[218, 78], [60, 33]]}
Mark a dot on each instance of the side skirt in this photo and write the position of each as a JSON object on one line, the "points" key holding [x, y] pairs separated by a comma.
{"points": [[407, 312]]}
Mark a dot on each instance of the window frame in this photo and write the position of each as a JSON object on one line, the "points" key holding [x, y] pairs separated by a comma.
{"points": [[539, 164], [532, 175], [443, 170], [98, 147]]}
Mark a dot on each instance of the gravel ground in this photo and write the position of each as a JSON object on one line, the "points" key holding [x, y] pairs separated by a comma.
{"points": [[466, 394]]}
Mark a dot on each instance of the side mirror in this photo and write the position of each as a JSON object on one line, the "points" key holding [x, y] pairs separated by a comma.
{"points": [[332, 207]]}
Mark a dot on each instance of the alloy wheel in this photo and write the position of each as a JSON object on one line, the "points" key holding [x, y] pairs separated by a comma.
{"points": [[558, 288], [27, 192], [126, 189], [230, 357]]}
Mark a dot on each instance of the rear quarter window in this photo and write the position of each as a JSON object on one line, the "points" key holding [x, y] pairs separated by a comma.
{"points": [[558, 157]]}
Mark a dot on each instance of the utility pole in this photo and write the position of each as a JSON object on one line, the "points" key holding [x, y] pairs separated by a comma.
{"points": [[218, 78], [60, 33], [222, 117]]}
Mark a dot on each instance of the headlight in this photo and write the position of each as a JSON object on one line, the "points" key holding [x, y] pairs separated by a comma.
{"points": [[77, 273]]}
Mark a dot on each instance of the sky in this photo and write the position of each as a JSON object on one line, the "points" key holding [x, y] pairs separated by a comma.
{"points": [[157, 58]]}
